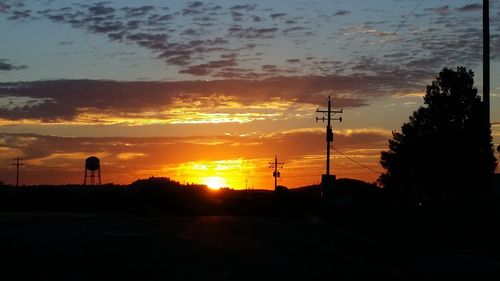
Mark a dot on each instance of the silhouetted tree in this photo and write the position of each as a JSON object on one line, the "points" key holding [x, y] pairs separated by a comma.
{"points": [[446, 147]]}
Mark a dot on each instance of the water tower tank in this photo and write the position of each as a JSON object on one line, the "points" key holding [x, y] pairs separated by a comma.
{"points": [[92, 163]]}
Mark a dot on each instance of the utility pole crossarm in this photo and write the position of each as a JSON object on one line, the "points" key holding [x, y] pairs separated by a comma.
{"points": [[331, 111]]}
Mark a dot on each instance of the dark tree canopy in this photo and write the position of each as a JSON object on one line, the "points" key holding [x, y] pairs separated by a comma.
{"points": [[445, 147]]}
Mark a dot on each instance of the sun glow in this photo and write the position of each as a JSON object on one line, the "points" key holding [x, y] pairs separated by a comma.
{"points": [[215, 182], [231, 173]]}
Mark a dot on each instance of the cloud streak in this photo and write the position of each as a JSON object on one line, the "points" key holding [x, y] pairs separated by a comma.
{"points": [[108, 102], [5, 65]]}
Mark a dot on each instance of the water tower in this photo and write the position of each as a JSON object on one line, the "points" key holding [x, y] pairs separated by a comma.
{"points": [[92, 165]]}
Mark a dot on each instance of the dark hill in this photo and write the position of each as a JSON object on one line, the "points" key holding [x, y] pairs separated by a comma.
{"points": [[356, 187]]}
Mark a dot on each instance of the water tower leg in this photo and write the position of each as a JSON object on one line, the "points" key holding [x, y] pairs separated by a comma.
{"points": [[85, 177], [99, 175]]}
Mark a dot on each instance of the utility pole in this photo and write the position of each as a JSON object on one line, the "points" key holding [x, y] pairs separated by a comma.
{"points": [[17, 164], [276, 173], [326, 181], [486, 59]]}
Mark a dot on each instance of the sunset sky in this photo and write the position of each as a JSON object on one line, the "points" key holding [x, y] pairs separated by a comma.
{"points": [[213, 90]]}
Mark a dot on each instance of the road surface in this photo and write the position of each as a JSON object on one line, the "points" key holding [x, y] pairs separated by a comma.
{"points": [[53, 246]]}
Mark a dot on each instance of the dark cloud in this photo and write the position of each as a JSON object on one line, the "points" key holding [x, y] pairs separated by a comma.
{"points": [[133, 24], [297, 31], [229, 56], [293, 60], [138, 12], [247, 7], [270, 67], [65, 99], [4, 7], [277, 15], [147, 28], [20, 15], [106, 27], [194, 8], [6, 66], [118, 36], [256, 18], [206, 68], [158, 20], [205, 19], [327, 66], [151, 41], [181, 54], [237, 16], [234, 73], [470, 7], [341, 13], [193, 32], [440, 10], [459, 45], [252, 33], [99, 10], [194, 5], [374, 10]]}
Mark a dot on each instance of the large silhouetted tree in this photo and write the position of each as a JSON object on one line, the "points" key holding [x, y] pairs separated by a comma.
{"points": [[445, 147]]}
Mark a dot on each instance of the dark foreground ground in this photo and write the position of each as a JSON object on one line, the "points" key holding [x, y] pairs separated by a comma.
{"points": [[86, 246]]}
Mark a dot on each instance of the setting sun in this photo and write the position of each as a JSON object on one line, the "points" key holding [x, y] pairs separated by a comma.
{"points": [[215, 182]]}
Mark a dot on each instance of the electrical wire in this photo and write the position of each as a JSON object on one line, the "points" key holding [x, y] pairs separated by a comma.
{"points": [[48, 167], [356, 162], [397, 29], [40, 166]]}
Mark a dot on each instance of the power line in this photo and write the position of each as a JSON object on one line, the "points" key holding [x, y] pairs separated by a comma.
{"points": [[456, 15], [397, 29], [39, 166], [48, 166], [362, 165]]}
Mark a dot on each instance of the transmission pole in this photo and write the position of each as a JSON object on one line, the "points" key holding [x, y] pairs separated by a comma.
{"points": [[486, 59], [17, 164], [328, 117], [276, 173]]}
